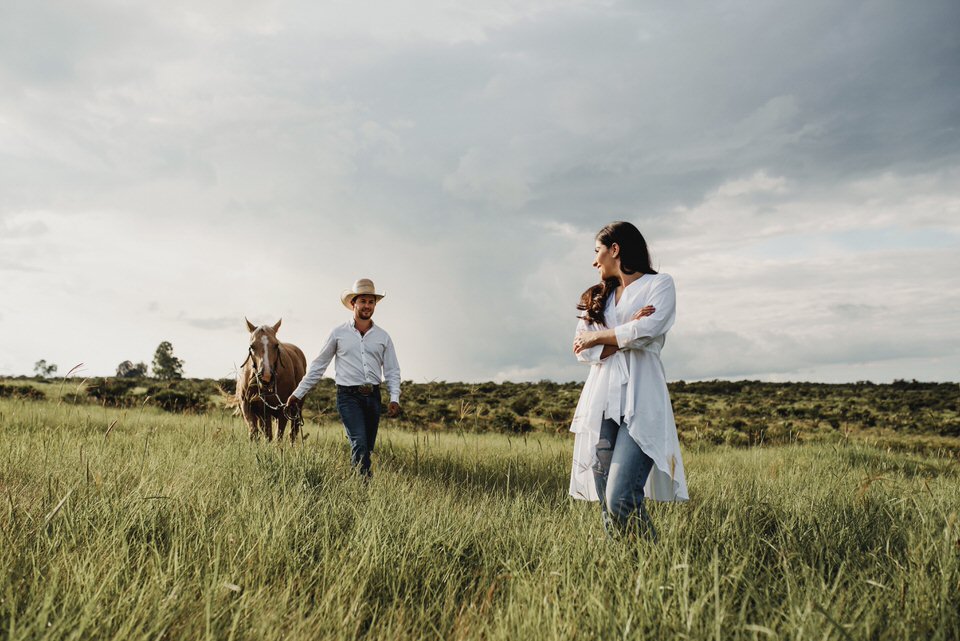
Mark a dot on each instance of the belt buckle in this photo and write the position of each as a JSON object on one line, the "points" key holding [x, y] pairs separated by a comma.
{"points": [[366, 389]]}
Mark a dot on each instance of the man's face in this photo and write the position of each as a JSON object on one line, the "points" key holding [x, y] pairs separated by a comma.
{"points": [[363, 307]]}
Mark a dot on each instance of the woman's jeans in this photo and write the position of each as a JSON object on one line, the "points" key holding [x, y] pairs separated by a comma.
{"points": [[360, 414], [620, 471]]}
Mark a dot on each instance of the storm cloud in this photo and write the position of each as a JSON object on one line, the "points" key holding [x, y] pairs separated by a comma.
{"points": [[795, 167]]}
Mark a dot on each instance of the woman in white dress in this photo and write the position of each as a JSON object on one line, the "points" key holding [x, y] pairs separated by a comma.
{"points": [[626, 445]]}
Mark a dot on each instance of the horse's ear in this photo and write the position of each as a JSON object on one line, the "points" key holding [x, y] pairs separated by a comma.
{"points": [[250, 325], [277, 326]]}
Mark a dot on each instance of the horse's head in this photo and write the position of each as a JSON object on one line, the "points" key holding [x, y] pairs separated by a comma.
{"points": [[264, 352]]}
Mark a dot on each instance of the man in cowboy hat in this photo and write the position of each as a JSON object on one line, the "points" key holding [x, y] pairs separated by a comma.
{"points": [[363, 350]]}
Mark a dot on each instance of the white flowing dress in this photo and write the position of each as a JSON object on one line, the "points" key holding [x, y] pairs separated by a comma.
{"points": [[631, 383]]}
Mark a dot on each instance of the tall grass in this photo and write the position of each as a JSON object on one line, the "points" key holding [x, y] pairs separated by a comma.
{"points": [[176, 527]]}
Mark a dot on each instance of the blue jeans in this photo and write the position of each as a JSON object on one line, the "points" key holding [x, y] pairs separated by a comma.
{"points": [[620, 471], [361, 418]]}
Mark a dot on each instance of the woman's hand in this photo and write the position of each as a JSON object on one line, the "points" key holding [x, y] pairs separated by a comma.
{"points": [[584, 340], [646, 311]]}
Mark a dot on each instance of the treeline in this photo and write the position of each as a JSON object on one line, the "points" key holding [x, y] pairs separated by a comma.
{"points": [[732, 412], [178, 395]]}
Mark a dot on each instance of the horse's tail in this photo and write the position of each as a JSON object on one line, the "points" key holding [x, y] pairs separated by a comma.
{"points": [[229, 400]]}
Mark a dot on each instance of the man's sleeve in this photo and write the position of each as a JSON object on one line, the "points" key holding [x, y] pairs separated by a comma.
{"points": [[637, 333], [317, 367], [391, 371]]}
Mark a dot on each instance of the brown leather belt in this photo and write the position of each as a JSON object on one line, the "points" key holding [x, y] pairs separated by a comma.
{"points": [[364, 390]]}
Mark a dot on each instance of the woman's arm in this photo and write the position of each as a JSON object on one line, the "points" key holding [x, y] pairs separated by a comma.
{"points": [[611, 347], [636, 333], [643, 313], [587, 355], [588, 340], [608, 350]]}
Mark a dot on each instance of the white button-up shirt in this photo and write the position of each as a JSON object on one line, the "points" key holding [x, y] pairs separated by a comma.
{"points": [[360, 360]]}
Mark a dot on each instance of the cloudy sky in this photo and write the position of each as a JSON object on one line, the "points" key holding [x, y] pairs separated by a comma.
{"points": [[169, 168]]}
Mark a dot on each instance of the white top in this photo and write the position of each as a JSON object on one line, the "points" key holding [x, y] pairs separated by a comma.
{"points": [[360, 360], [631, 381]]}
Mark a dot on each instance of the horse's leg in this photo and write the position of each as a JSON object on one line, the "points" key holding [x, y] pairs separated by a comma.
{"points": [[281, 426], [268, 426], [251, 420], [261, 430]]}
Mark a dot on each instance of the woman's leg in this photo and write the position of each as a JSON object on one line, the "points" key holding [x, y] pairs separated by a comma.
{"points": [[629, 468], [601, 464]]}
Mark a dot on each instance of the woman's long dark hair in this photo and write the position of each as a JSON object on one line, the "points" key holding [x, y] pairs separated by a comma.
{"points": [[594, 300], [634, 257]]}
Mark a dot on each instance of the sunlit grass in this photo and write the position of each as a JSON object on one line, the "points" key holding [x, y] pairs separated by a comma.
{"points": [[177, 527]]}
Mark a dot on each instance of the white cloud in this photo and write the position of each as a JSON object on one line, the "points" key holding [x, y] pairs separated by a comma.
{"points": [[499, 178], [168, 168], [759, 182]]}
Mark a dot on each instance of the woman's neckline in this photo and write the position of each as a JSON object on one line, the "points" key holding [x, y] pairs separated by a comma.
{"points": [[617, 297]]}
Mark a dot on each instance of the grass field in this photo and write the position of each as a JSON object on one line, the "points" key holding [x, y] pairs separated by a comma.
{"points": [[139, 524]]}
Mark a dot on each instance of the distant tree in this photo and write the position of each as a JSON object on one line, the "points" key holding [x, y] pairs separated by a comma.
{"points": [[166, 366], [127, 369], [43, 370]]}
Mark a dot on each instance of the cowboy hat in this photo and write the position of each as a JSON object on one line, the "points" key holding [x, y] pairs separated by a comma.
{"points": [[362, 287]]}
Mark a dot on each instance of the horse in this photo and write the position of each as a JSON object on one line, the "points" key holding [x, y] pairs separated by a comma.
{"points": [[270, 373]]}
